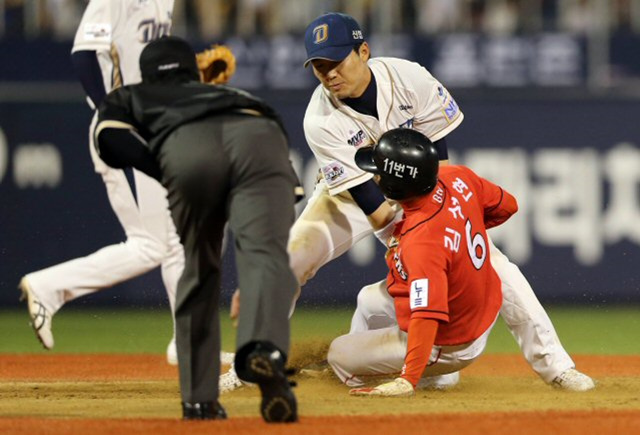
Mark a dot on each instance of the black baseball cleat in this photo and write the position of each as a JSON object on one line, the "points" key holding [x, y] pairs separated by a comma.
{"points": [[262, 363], [203, 411]]}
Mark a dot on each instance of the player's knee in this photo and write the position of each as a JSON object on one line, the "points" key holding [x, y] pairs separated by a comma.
{"points": [[174, 247], [499, 260], [308, 249], [304, 258], [362, 300], [150, 250], [339, 354], [333, 355], [367, 299]]}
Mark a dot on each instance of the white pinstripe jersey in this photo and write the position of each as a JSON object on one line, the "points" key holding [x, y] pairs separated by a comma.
{"points": [[118, 30], [407, 96]]}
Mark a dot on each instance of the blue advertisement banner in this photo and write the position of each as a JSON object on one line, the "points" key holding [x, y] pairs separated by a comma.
{"points": [[458, 60], [573, 164]]}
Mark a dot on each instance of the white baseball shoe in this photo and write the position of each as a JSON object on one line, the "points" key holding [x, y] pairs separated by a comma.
{"points": [[573, 380], [226, 358], [40, 316], [440, 382], [230, 381]]}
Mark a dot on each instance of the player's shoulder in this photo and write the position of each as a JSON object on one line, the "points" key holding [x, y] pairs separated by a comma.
{"points": [[318, 103], [452, 175], [321, 116], [408, 78], [453, 171], [400, 66]]}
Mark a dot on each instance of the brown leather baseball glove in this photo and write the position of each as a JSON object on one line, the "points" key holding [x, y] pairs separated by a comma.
{"points": [[216, 64]]}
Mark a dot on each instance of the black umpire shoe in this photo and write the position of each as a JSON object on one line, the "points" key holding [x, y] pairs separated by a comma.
{"points": [[262, 363], [203, 411]]}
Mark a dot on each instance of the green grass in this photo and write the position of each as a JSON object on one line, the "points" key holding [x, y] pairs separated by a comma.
{"points": [[597, 331], [582, 330]]}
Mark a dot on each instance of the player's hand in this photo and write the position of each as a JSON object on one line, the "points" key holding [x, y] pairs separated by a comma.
{"points": [[235, 307], [399, 387]]}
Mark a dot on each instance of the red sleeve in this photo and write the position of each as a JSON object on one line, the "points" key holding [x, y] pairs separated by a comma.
{"points": [[498, 204], [422, 335], [426, 266], [498, 212]]}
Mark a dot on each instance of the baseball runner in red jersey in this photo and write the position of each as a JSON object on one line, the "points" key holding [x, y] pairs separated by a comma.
{"points": [[445, 292], [360, 98]]}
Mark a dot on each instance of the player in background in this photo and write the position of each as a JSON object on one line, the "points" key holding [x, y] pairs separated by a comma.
{"points": [[358, 99], [446, 293], [107, 46]]}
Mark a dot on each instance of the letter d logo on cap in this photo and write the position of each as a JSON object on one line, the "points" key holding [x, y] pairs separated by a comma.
{"points": [[320, 33]]}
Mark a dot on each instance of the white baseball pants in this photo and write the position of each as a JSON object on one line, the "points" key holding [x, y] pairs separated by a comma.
{"points": [[151, 241], [330, 225], [357, 356]]}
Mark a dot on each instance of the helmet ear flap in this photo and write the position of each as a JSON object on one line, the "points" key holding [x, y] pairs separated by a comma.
{"points": [[394, 188]]}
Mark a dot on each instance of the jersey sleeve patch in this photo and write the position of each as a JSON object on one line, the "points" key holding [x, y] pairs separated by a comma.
{"points": [[449, 106], [419, 297], [97, 32], [333, 173]]}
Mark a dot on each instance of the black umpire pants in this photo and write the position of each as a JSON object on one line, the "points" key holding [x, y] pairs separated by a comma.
{"points": [[231, 168]]}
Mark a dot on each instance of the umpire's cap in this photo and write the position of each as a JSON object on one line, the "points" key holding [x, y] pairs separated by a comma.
{"points": [[406, 161], [167, 59]]}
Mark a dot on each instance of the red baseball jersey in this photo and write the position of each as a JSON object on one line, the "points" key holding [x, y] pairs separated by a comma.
{"points": [[438, 258]]}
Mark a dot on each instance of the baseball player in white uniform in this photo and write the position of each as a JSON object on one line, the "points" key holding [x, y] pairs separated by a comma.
{"points": [[105, 54], [359, 99]]}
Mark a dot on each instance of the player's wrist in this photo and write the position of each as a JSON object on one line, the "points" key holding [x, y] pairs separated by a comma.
{"points": [[383, 234]]}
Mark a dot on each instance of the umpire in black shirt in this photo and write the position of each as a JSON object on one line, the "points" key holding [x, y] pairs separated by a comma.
{"points": [[222, 155]]}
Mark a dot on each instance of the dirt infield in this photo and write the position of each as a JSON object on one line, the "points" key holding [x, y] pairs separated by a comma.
{"points": [[61, 393]]}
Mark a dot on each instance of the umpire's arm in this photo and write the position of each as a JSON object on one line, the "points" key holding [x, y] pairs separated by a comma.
{"points": [[116, 139]]}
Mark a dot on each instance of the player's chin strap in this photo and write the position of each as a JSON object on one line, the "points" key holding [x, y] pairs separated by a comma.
{"points": [[383, 234]]}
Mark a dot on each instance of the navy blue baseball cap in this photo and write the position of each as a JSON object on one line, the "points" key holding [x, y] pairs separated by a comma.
{"points": [[331, 36]]}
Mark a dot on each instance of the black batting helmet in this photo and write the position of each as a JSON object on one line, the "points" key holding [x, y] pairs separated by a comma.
{"points": [[406, 161]]}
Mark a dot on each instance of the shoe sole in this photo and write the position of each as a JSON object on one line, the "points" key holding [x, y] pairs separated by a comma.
{"points": [[37, 321], [580, 389], [278, 402]]}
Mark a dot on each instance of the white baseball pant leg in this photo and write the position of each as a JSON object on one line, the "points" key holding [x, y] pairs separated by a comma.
{"points": [[151, 240], [528, 321], [327, 227], [375, 309], [357, 357]]}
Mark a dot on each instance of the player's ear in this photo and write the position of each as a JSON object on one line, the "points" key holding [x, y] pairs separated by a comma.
{"points": [[364, 52]]}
